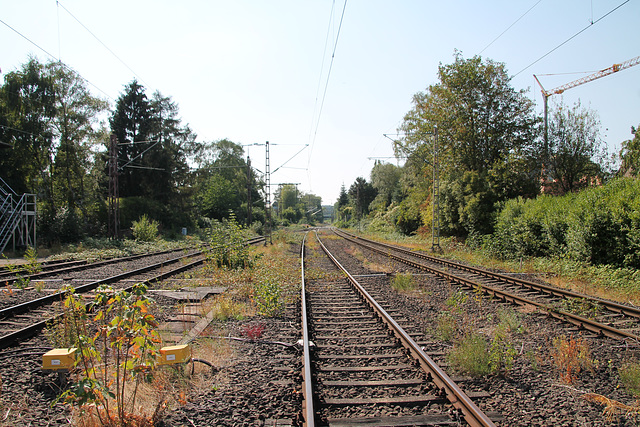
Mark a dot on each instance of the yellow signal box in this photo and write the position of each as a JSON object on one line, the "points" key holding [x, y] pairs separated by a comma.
{"points": [[59, 358], [174, 354]]}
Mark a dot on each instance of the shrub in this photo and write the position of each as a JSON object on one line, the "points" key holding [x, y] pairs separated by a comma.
{"points": [[470, 355], [144, 229], [116, 360], [228, 248], [447, 327], [267, 299]]}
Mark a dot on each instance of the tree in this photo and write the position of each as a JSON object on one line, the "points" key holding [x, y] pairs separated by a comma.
{"points": [[152, 156], [77, 128], [27, 107], [484, 126], [479, 116], [577, 153], [132, 124], [630, 154], [385, 178], [222, 182], [361, 194]]}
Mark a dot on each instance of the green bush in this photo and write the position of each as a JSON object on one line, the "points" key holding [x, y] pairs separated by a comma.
{"points": [[600, 225], [145, 230], [267, 299], [228, 248], [471, 355]]}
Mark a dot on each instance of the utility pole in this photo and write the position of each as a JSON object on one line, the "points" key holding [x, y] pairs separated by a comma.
{"points": [[249, 207], [268, 205], [114, 197], [435, 222]]}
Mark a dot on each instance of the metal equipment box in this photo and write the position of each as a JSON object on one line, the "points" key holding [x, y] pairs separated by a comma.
{"points": [[175, 354], [59, 358]]}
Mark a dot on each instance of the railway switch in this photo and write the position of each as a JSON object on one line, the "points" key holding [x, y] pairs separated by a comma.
{"points": [[175, 354], [59, 358]]}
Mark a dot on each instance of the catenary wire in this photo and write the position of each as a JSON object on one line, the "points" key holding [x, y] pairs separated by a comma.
{"points": [[324, 95], [101, 42], [508, 28], [52, 56], [572, 37]]}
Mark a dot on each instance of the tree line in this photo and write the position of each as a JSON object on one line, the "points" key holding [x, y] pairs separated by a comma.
{"points": [[491, 150], [55, 137]]}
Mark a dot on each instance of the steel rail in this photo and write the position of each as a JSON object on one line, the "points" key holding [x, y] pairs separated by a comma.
{"points": [[548, 289], [576, 320], [30, 305], [83, 265], [29, 331], [308, 409], [33, 329], [471, 413]]}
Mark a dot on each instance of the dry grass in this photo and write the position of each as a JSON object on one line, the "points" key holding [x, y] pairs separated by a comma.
{"points": [[613, 408]]}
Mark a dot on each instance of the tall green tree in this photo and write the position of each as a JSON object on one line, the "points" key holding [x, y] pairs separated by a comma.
{"points": [[480, 118], [132, 124], [361, 194], [577, 153], [27, 109], [385, 178], [153, 146], [223, 183], [77, 128], [483, 126]]}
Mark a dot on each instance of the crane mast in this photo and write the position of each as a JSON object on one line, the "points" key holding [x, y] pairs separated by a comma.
{"points": [[591, 77]]}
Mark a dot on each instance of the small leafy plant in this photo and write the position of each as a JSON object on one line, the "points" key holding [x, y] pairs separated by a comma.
{"points": [[630, 377], [117, 345], [228, 247], [267, 299], [254, 331], [447, 326], [31, 266]]}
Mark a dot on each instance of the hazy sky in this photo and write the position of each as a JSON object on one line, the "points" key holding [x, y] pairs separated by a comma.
{"points": [[255, 70]]}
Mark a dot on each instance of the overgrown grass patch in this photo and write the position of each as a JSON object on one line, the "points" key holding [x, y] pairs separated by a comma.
{"points": [[403, 282]]}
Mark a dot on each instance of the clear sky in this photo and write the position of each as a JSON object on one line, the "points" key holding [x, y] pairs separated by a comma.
{"points": [[255, 70]]}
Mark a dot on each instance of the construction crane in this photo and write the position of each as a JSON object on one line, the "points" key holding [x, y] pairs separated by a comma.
{"points": [[602, 73]]}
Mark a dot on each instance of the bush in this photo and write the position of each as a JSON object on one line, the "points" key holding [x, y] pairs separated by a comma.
{"points": [[145, 230], [471, 355], [600, 225]]}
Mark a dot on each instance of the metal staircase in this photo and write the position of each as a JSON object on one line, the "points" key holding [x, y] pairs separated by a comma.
{"points": [[17, 218]]}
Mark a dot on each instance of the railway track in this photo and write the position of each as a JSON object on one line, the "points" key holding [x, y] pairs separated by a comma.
{"points": [[596, 315], [362, 368], [21, 321], [53, 268]]}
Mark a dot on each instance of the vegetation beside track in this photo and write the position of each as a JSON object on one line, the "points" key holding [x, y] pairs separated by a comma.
{"points": [[605, 281]]}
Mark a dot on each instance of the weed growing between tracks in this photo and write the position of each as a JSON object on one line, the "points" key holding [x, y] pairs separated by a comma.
{"points": [[30, 266]]}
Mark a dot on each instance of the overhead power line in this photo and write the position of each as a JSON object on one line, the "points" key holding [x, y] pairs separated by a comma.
{"points": [[56, 59], [324, 95], [509, 27], [100, 41], [572, 37]]}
